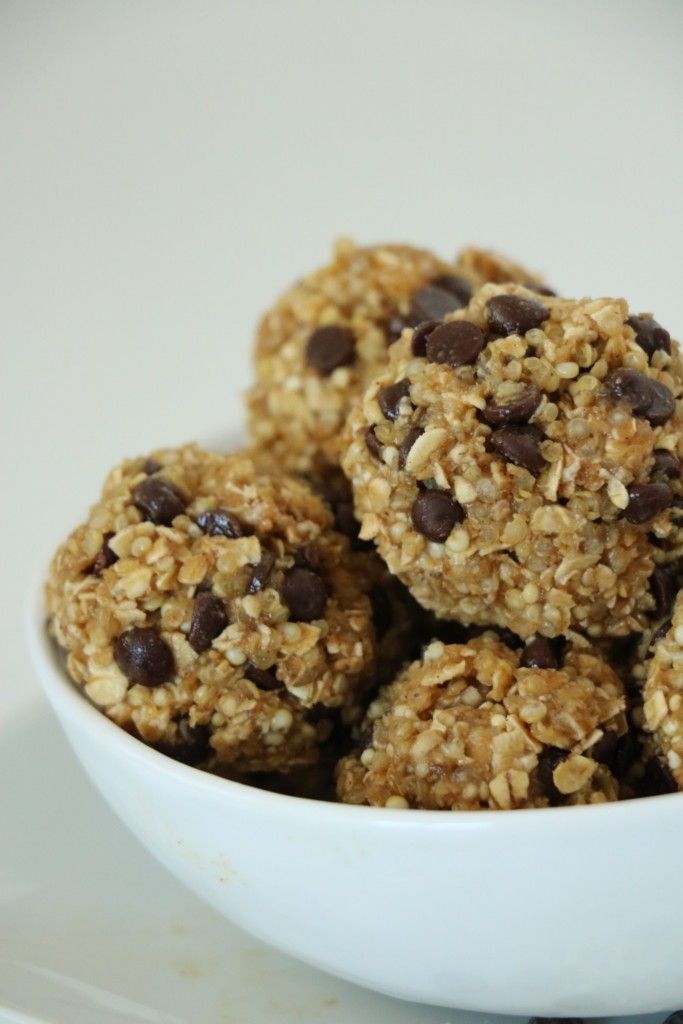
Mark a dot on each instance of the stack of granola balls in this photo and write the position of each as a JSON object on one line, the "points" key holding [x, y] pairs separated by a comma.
{"points": [[448, 571]]}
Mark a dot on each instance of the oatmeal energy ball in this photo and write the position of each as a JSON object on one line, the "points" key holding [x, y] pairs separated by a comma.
{"points": [[209, 609], [519, 464], [326, 338], [476, 725]]}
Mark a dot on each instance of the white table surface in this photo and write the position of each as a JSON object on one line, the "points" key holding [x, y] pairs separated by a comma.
{"points": [[165, 169]]}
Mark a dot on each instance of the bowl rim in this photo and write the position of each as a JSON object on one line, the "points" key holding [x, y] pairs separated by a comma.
{"points": [[65, 697]]}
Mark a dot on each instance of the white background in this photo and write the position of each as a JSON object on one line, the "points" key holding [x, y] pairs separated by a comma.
{"points": [[168, 167]]}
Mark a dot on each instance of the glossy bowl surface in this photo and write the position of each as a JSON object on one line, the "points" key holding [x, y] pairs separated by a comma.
{"points": [[558, 912]]}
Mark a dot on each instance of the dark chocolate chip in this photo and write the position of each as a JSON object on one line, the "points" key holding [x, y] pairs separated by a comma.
{"points": [[556, 1020], [264, 678], [420, 335], [657, 779], [329, 347], [540, 289], [548, 760], [407, 443], [143, 656], [663, 590], [305, 594], [261, 572], [208, 621], [457, 343], [309, 557], [520, 445], [372, 443], [382, 614], [632, 387], [159, 500], [660, 632], [666, 463], [454, 284], [539, 653], [192, 743], [645, 501], [512, 314], [151, 466], [345, 521], [649, 334], [605, 750], [435, 513], [662, 406], [221, 523], [515, 411], [432, 303], [104, 557], [394, 329], [390, 398]]}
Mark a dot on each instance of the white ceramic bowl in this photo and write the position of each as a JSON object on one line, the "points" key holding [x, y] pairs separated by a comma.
{"points": [[558, 912]]}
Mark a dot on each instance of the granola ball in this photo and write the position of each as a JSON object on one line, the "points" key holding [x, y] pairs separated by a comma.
{"points": [[209, 609], [518, 464], [476, 725], [326, 338]]}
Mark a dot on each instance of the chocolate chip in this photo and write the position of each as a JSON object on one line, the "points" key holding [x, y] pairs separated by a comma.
{"points": [[372, 443], [421, 334], [540, 289], [406, 444], [454, 284], [663, 590], [649, 398], [520, 445], [556, 1020], [150, 466], [649, 334], [208, 621], [104, 557], [309, 557], [432, 303], [264, 678], [515, 411], [605, 750], [512, 314], [632, 387], [143, 656], [261, 572], [539, 653], [435, 513], [221, 523], [345, 521], [192, 743], [548, 760], [660, 632], [662, 406], [390, 398], [394, 329], [329, 347], [666, 463], [458, 343], [645, 501], [382, 614], [305, 594], [159, 500], [657, 779]]}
